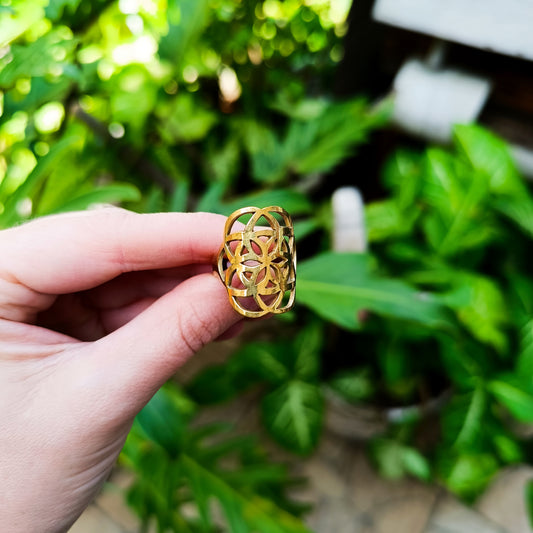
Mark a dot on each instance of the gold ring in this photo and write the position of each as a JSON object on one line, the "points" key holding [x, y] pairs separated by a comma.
{"points": [[257, 261]]}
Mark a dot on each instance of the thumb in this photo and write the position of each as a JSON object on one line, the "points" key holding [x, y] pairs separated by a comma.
{"points": [[131, 363]]}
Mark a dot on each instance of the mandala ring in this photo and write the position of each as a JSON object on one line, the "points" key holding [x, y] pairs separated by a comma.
{"points": [[257, 261]]}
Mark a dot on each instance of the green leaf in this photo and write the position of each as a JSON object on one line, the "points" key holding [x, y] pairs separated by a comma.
{"points": [[522, 296], [518, 209], [490, 155], [179, 198], [277, 362], [303, 228], [55, 8], [319, 144], [253, 363], [184, 119], [224, 161], [396, 364], [465, 361], [309, 146], [481, 307], [263, 361], [385, 220], [339, 285], [19, 18], [153, 200], [403, 174], [354, 385], [211, 200], [43, 90], [273, 363], [294, 202], [133, 97], [306, 109], [463, 417], [38, 175], [524, 360], [416, 464], [516, 394], [115, 193], [396, 460], [37, 58], [293, 415], [215, 384], [528, 493], [186, 21], [508, 448], [244, 512], [468, 474], [164, 419], [307, 352], [202, 494], [268, 163], [201, 466], [455, 195]]}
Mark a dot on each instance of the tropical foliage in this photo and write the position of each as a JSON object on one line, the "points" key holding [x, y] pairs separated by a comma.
{"points": [[182, 469], [441, 307], [217, 104]]}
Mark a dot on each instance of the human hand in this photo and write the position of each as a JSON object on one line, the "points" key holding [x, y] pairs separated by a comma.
{"points": [[97, 310]]}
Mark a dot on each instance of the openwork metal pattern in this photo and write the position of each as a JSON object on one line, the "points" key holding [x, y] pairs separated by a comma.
{"points": [[257, 262]]}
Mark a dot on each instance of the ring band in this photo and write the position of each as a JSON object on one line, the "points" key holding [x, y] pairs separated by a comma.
{"points": [[257, 263]]}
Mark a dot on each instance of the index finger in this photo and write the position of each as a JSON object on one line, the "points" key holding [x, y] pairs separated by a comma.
{"points": [[77, 251]]}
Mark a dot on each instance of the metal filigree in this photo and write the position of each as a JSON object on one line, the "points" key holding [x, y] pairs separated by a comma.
{"points": [[257, 262]]}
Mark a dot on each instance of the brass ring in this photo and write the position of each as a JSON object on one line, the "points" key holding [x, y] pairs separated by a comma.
{"points": [[257, 263]]}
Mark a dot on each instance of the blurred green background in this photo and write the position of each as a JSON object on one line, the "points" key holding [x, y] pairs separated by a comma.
{"points": [[188, 105], [178, 106]]}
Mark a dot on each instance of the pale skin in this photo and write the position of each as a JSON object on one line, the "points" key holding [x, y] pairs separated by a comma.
{"points": [[97, 310]]}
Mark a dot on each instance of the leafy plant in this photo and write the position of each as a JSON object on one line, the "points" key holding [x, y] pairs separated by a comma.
{"points": [[182, 469], [339, 285], [292, 405], [215, 104], [185, 105], [459, 242], [441, 306], [104, 81]]}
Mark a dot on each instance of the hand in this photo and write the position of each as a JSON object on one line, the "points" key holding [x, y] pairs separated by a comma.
{"points": [[97, 310]]}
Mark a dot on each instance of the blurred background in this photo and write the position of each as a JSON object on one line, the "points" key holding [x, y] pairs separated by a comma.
{"points": [[399, 135]]}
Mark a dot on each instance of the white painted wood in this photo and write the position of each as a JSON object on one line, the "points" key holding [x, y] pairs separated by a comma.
{"points": [[505, 26], [349, 229], [428, 102]]}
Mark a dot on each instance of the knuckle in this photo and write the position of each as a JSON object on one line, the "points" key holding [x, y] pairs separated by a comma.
{"points": [[194, 330]]}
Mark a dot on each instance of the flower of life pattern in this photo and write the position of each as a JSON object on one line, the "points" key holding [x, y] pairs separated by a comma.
{"points": [[258, 263]]}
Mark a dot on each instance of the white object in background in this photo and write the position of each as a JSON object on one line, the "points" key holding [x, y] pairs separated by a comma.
{"points": [[503, 26], [429, 102], [523, 158], [349, 229]]}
